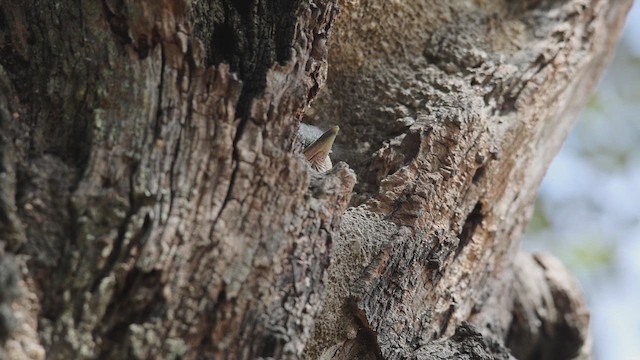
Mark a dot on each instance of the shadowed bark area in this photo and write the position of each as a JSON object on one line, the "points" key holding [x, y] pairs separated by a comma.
{"points": [[154, 202]]}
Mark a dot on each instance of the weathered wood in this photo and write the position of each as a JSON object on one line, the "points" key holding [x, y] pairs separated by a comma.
{"points": [[155, 203], [462, 106], [165, 213]]}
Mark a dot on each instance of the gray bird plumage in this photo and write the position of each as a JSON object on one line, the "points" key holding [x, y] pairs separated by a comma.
{"points": [[317, 145]]}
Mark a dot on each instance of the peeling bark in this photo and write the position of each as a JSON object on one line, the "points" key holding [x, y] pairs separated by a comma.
{"points": [[155, 202]]}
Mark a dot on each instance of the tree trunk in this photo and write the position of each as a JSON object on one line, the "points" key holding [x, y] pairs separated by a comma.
{"points": [[154, 203]]}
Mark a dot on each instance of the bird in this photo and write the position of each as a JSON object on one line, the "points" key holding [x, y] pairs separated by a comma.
{"points": [[317, 145]]}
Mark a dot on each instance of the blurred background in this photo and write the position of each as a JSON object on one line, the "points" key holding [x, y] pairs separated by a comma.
{"points": [[588, 208]]}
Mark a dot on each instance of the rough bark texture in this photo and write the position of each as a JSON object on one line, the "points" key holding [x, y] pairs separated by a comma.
{"points": [[154, 203], [463, 106]]}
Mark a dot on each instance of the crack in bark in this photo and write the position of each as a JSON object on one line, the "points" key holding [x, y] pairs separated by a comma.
{"points": [[366, 338], [474, 219], [112, 259]]}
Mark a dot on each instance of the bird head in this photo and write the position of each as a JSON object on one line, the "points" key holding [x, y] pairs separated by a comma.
{"points": [[317, 151]]}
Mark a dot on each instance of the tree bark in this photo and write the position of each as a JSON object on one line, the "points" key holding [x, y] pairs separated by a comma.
{"points": [[154, 202]]}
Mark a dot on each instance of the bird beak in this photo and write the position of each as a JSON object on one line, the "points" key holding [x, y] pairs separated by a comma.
{"points": [[320, 149]]}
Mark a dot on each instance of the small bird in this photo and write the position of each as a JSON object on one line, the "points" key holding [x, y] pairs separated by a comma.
{"points": [[317, 145]]}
